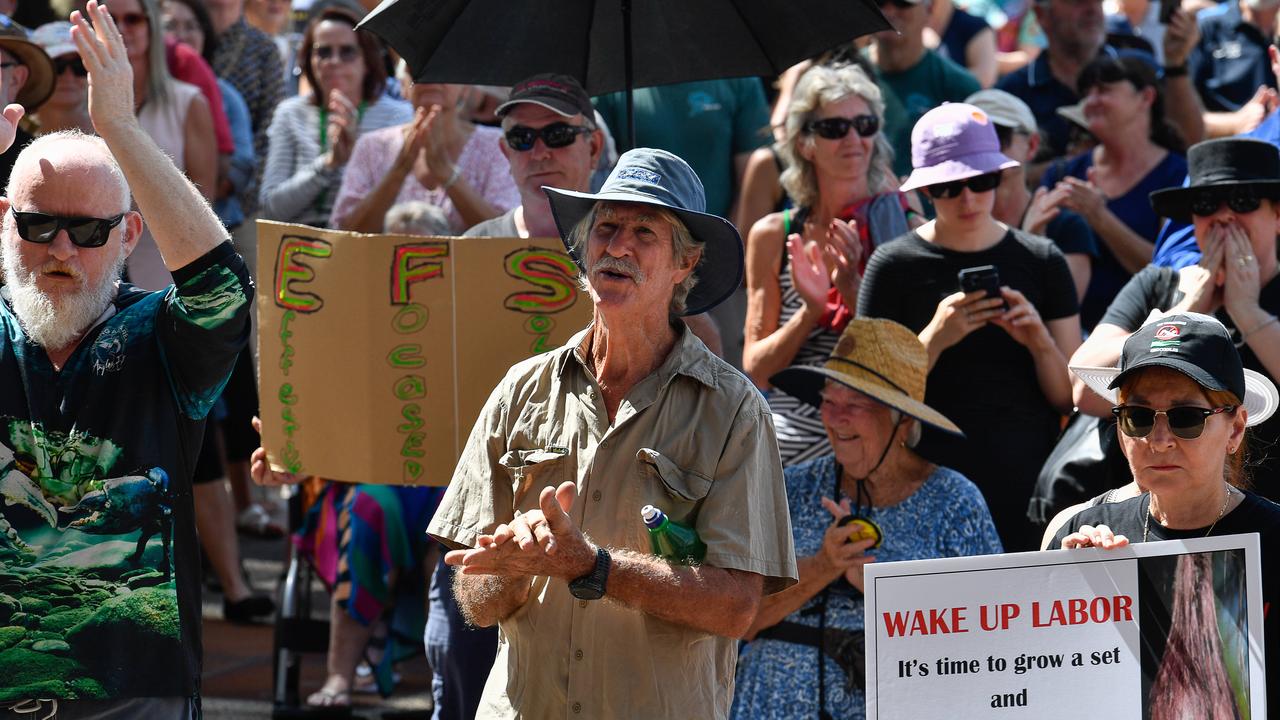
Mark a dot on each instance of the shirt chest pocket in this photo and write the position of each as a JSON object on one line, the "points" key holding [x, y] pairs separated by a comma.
{"points": [[678, 491], [532, 470]]}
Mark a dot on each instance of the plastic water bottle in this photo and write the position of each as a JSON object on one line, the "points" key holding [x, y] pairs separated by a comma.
{"points": [[671, 540]]}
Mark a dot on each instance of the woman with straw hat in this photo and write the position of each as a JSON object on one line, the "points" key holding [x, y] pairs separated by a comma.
{"points": [[997, 353], [1184, 404], [872, 498]]}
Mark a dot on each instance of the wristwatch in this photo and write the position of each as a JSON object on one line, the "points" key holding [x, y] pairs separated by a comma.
{"points": [[591, 585]]}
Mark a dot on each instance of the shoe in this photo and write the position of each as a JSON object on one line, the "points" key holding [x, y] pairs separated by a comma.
{"points": [[255, 521], [247, 610]]}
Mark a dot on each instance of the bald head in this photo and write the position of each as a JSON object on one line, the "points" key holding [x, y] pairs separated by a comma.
{"points": [[70, 173]]}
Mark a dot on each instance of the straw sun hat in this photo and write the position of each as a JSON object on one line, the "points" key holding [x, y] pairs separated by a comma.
{"points": [[880, 359]]}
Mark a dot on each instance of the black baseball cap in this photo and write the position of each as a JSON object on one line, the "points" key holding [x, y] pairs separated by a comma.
{"points": [[561, 94]]}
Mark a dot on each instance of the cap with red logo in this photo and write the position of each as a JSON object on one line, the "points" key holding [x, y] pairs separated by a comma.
{"points": [[561, 94]]}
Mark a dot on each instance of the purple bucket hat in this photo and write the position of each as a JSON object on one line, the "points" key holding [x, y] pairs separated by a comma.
{"points": [[952, 142]]}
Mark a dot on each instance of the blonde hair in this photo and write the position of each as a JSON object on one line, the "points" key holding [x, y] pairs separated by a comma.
{"points": [[822, 85]]}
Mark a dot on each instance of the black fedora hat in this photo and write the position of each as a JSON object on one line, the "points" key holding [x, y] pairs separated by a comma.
{"points": [[1226, 165]]}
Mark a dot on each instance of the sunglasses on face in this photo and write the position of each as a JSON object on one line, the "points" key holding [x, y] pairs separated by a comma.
{"points": [[344, 53], [131, 20], [835, 128], [1206, 204], [978, 184], [1186, 421], [85, 232], [72, 63], [555, 135]]}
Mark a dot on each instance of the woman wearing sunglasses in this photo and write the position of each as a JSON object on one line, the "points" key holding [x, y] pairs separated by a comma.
{"points": [[68, 107], [312, 135], [440, 157], [804, 264], [1138, 151], [1233, 202], [1184, 403], [997, 354]]}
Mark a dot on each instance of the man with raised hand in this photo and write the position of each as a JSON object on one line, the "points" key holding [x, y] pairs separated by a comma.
{"points": [[104, 390]]}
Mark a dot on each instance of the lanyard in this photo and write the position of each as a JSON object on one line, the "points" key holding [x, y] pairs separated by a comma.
{"points": [[324, 124]]}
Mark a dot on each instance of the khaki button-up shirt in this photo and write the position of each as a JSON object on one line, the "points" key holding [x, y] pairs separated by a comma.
{"points": [[694, 438]]}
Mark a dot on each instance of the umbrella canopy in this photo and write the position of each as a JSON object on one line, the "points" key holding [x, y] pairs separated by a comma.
{"points": [[500, 42]]}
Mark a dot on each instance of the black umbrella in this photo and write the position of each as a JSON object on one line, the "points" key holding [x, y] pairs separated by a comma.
{"points": [[615, 44]]}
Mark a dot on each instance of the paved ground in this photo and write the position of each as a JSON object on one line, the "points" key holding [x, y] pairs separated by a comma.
{"points": [[237, 681]]}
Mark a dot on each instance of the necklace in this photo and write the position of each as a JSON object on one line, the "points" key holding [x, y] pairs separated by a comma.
{"points": [[1146, 521]]}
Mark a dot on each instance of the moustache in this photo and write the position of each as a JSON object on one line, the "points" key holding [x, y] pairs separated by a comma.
{"points": [[619, 267], [53, 267]]}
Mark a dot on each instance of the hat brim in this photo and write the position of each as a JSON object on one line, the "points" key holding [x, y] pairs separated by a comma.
{"points": [[1261, 399], [958, 169], [719, 272], [561, 109], [40, 80], [805, 382], [1175, 203]]}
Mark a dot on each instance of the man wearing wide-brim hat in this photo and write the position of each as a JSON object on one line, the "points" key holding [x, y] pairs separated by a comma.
{"points": [[26, 78], [545, 503], [1232, 200]]}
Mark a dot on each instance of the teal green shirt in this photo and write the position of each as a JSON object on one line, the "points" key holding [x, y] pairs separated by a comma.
{"points": [[910, 94], [706, 123]]}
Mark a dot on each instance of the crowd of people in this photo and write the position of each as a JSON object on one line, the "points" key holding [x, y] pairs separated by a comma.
{"points": [[877, 287]]}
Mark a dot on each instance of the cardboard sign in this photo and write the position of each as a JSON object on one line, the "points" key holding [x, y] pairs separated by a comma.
{"points": [[377, 352], [1049, 634]]}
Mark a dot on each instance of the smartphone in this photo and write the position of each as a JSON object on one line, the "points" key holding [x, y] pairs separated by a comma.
{"points": [[983, 277], [1167, 8]]}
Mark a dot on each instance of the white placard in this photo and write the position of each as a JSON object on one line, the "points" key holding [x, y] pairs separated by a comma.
{"points": [[1048, 634]]}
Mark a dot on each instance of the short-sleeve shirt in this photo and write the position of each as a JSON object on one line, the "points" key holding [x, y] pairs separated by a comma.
{"points": [[482, 164], [502, 226], [102, 566], [1134, 210], [909, 94], [707, 123], [986, 383], [944, 517], [1230, 62], [1156, 287], [1254, 515], [960, 31], [694, 438]]}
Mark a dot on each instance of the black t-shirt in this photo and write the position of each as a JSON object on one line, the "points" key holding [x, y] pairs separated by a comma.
{"points": [[987, 382], [1157, 287], [1254, 514]]}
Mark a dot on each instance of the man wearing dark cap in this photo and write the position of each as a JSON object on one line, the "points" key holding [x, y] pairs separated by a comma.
{"points": [[28, 81]]}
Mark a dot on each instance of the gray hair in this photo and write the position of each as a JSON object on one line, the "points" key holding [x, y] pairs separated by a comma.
{"points": [[821, 85], [683, 246], [417, 218], [916, 431], [38, 147]]}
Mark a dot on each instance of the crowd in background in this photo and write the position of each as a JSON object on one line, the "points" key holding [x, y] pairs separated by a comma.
{"points": [[297, 115]]}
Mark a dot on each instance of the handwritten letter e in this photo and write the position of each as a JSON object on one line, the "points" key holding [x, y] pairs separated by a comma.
{"points": [[292, 271]]}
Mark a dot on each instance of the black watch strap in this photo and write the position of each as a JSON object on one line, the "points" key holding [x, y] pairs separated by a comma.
{"points": [[1176, 70], [591, 586]]}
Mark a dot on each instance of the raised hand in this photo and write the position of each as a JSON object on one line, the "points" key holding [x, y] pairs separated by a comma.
{"points": [[809, 273], [415, 138], [101, 48]]}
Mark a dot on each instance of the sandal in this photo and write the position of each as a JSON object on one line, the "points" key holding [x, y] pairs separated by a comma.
{"points": [[324, 697], [255, 521]]}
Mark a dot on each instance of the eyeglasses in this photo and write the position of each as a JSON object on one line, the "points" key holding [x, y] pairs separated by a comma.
{"points": [[344, 53], [1186, 421], [85, 232], [72, 63], [835, 128], [978, 184], [1207, 203], [132, 20], [555, 135]]}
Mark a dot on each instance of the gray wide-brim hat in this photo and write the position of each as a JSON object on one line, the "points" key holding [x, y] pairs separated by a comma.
{"points": [[658, 178]]}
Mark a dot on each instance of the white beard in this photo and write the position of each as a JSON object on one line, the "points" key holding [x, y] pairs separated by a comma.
{"points": [[55, 323]]}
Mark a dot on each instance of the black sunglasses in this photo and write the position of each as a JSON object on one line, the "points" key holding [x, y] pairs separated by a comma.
{"points": [[835, 128], [74, 63], [345, 53], [1186, 421], [85, 232], [1205, 204], [555, 135], [978, 184]]}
